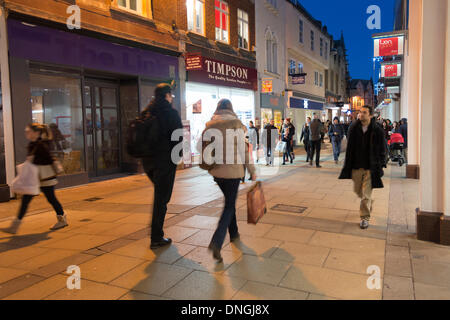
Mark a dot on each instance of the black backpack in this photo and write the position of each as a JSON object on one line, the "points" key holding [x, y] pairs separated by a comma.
{"points": [[143, 136]]}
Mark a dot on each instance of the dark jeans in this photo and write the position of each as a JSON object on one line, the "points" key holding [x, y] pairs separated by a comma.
{"points": [[163, 180], [49, 193], [306, 144], [288, 153], [228, 220], [314, 147], [336, 148]]}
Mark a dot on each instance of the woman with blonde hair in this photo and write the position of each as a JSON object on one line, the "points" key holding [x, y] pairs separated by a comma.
{"points": [[38, 152]]}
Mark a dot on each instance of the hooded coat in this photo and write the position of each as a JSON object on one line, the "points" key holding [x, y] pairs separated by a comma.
{"points": [[377, 156], [237, 150]]}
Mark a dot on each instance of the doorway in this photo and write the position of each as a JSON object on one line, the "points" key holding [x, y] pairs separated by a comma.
{"points": [[101, 99]]}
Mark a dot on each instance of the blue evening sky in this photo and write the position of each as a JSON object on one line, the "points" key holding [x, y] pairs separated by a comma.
{"points": [[350, 16]]}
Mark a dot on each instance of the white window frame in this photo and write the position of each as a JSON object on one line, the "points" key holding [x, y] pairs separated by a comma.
{"points": [[243, 24], [194, 16], [227, 13], [127, 6]]}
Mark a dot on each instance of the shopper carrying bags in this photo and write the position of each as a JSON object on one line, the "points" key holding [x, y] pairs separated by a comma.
{"points": [[38, 153]]}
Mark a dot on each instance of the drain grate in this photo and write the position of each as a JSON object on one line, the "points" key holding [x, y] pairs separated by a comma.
{"points": [[288, 208], [92, 199]]}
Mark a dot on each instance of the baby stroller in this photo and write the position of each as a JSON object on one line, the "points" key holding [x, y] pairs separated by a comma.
{"points": [[396, 149]]}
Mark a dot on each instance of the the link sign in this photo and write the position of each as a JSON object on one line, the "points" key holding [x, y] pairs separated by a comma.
{"points": [[224, 74], [388, 46]]}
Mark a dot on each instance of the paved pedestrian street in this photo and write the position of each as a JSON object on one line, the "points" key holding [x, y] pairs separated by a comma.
{"points": [[320, 253]]}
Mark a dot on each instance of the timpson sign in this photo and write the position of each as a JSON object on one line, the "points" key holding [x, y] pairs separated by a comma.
{"points": [[221, 73]]}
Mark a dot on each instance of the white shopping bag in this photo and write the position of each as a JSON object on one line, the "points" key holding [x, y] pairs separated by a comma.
{"points": [[344, 144], [281, 147], [27, 180]]}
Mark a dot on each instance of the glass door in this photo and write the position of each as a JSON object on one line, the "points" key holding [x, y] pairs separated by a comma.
{"points": [[102, 128]]}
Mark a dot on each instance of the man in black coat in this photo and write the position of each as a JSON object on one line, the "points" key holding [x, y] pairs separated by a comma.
{"points": [[160, 168], [269, 135], [315, 140], [365, 159], [404, 132], [305, 137]]}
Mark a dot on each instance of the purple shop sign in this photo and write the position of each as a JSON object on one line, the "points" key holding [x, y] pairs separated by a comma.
{"points": [[66, 48]]}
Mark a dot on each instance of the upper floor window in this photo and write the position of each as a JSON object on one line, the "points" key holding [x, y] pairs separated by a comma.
{"points": [[321, 80], [312, 40], [271, 53], [326, 51], [273, 3], [134, 6], [243, 29], [195, 15], [321, 47], [300, 31], [300, 67], [316, 78], [292, 66], [222, 15]]}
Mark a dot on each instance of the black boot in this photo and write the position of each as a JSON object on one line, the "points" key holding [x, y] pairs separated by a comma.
{"points": [[160, 243]]}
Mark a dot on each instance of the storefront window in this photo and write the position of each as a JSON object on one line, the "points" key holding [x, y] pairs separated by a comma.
{"points": [[201, 102], [56, 101]]}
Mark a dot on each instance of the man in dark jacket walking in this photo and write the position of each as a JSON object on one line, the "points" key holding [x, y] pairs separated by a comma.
{"points": [[305, 137], [364, 160], [336, 134], [269, 135], [160, 168], [315, 139]]}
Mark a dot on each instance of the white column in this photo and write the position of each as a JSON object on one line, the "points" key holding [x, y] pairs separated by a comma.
{"points": [[432, 162], [7, 106], [447, 119], [414, 79]]}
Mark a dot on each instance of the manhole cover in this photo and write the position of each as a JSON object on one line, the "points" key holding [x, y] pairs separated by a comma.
{"points": [[93, 199], [287, 208]]}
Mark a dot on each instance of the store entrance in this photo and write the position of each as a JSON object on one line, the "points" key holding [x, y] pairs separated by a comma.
{"points": [[102, 127]]}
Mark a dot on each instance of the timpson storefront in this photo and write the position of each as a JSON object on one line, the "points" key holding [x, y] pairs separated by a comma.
{"points": [[210, 80]]}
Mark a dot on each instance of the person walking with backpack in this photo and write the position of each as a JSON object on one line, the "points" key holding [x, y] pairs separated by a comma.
{"points": [[159, 166], [305, 137], [315, 140], [336, 134], [38, 152], [227, 175], [364, 160]]}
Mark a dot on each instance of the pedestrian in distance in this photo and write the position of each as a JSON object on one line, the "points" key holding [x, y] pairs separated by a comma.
{"points": [[305, 137], [269, 138], [364, 160], [336, 134], [286, 136], [315, 140], [159, 167], [253, 139], [38, 152], [403, 129], [292, 135], [227, 175]]}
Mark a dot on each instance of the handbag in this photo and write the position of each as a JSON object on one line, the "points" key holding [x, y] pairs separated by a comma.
{"points": [[46, 172], [27, 179], [281, 147], [256, 204]]}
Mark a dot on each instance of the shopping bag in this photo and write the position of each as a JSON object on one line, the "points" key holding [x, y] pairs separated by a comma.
{"points": [[27, 180], [344, 144], [256, 204], [281, 147]]}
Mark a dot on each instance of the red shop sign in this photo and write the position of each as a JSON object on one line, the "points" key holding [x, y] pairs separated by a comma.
{"points": [[391, 70], [193, 62], [224, 74], [388, 46]]}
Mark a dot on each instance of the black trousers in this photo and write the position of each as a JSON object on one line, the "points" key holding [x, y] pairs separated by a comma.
{"points": [[288, 153], [163, 180], [228, 221], [306, 144], [49, 193], [314, 147]]}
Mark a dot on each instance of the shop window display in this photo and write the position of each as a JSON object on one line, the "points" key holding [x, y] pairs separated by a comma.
{"points": [[56, 101]]}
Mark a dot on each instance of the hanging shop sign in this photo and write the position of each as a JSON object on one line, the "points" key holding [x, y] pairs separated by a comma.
{"points": [[391, 70], [388, 46], [225, 74], [267, 86], [299, 78], [305, 104]]}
